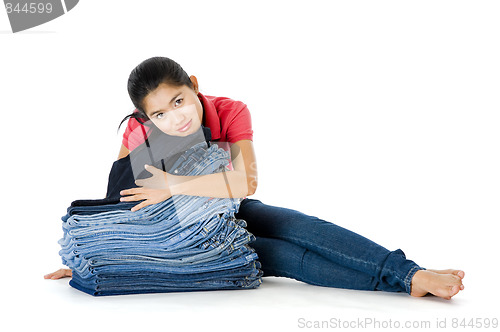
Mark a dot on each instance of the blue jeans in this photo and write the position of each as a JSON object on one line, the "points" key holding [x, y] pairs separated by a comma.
{"points": [[204, 237], [180, 244], [292, 244]]}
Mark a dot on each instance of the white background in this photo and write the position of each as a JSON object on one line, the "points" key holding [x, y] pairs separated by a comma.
{"points": [[380, 116]]}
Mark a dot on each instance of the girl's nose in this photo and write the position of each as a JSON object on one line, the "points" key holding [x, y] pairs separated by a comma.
{"points": [[178, 118]]}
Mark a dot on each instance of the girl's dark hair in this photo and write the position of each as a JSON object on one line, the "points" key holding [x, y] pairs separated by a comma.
{"points": [[147, 76]]}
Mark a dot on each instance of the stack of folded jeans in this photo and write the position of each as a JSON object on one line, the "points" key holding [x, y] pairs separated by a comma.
{"points": [[185, 243]]}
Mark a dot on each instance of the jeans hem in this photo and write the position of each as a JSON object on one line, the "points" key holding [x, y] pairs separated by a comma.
{"points": [[409, 277]]}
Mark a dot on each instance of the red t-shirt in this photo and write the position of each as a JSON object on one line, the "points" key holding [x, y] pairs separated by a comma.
{"points": [[229, 121]]}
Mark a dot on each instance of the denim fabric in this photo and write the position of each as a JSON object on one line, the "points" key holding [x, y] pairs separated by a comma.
{"points": [[181, 244], [288, 243], [306, 248]]}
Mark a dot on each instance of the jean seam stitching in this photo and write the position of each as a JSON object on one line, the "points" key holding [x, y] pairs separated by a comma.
{"points": [[302, 261]]}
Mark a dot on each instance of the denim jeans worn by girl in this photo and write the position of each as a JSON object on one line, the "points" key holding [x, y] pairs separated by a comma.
{"points": [[181, 244], [295, 245]]}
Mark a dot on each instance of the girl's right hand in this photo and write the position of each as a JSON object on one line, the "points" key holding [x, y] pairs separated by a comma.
{"points": [[61, 273]]}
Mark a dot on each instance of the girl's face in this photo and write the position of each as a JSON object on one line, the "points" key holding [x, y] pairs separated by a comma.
{"points": [[176, 111]]}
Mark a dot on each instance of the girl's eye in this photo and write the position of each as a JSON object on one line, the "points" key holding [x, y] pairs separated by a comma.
{"points": [[159, 115], [178, 100]]}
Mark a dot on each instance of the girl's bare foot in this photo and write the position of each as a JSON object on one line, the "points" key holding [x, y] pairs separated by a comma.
{"points": [[442, 283]]}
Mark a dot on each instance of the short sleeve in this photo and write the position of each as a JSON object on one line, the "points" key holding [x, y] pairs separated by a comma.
{"points": [[240, 125], [135, 134]]}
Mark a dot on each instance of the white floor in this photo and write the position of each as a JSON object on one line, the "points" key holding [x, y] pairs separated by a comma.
{"points": [[458, 239], [280, 304], [393, 105]]}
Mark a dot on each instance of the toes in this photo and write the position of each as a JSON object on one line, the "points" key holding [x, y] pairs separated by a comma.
{"points": [[447, 292], [453, 280], [458, 273]]}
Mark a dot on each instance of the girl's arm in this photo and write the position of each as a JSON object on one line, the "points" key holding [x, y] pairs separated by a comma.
{"points": [[238, 183], [123, 152]]}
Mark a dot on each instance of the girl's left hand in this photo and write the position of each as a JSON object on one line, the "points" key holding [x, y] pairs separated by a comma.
{"points": [[154, 189]]}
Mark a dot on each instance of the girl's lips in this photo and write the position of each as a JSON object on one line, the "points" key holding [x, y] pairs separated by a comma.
{"points": [[186, 127]]}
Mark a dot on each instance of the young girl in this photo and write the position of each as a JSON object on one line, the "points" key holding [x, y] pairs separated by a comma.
{"points": [[289, 243]]}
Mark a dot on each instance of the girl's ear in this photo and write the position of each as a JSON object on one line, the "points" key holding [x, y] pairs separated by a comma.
{"points": [[194, 80]]}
